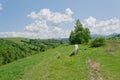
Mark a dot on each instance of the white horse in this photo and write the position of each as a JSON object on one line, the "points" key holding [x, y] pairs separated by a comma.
{"points": [[76, 48]]}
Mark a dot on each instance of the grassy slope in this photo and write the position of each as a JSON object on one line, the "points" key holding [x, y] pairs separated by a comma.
{"points": [[47, 66], [16, 40]]}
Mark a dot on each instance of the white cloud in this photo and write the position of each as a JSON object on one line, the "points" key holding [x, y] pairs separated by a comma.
{"points": [[55, 33], [1, 7], [13, 34], [104, 27], [90, 21], [32, 15], [68, 11], [46, 25], [37, 26], [53, 17], [22, 34], [57, 30]]}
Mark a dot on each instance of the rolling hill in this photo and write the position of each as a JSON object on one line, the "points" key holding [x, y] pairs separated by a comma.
{"points": [[57, 64], [12, 49]]}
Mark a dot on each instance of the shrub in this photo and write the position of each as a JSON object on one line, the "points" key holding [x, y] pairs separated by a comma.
{"points": [[42, 47], [97, 42]]}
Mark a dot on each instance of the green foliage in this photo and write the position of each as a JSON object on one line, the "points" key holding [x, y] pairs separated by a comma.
{"points": [[97, 42], [12, 49], [79, 35], [50, 43], [42, 47]]}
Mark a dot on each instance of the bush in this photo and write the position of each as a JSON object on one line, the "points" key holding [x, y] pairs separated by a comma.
{"points": [[97, 42], [42, 47]]}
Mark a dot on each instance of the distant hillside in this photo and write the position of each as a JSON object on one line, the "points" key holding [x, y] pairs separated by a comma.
{"points": [[96, 35], [65, 39], [114, 36], [12, 49]]}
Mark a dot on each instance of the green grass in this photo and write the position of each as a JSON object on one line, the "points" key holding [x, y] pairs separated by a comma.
{"points": [[16, 40], [47, 66]]}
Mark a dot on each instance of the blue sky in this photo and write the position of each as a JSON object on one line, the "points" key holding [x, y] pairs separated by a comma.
{"points": [[24, 18]]}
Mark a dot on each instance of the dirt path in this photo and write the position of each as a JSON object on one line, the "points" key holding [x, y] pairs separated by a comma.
{"points": [[95, 72]]}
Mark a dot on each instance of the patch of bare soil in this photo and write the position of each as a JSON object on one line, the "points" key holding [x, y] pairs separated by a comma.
{"points": [[95, 72], [111, 47]]}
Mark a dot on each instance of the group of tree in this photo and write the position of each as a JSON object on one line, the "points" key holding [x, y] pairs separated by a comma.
{"points": [[82, 35], [11, 51]]}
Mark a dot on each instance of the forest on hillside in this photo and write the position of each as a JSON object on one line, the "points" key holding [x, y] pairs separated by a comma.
{"points": [[14, 49]]}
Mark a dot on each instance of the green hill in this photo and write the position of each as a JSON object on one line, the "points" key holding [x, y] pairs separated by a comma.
{"points": [[101, 63], [12, 49]]}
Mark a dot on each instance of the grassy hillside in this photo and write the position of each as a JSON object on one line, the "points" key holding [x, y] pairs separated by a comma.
{"points": [[56, 64]]}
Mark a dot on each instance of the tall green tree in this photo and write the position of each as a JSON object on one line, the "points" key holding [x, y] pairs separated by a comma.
{"points": [[80, 34]]}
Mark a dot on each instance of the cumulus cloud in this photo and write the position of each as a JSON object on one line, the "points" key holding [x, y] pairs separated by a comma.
{"points": [[1, 7], [46, 24], [15, 34], [23, 34], [103, 27], [68, 11], [55, 33], [37, 26], [53, 17]]}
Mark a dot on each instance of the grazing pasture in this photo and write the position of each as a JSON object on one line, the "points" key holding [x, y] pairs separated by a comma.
{"points": [[102, 63]]}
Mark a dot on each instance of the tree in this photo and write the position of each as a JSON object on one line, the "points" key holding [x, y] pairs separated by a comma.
{"points": [[79, 35], [72, 37]]}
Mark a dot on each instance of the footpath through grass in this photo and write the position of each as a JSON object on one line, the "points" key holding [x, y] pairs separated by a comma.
{"points": [[57, 64]]}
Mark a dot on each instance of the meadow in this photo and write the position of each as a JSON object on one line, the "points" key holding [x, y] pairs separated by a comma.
{"points": [[100, 63]]}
